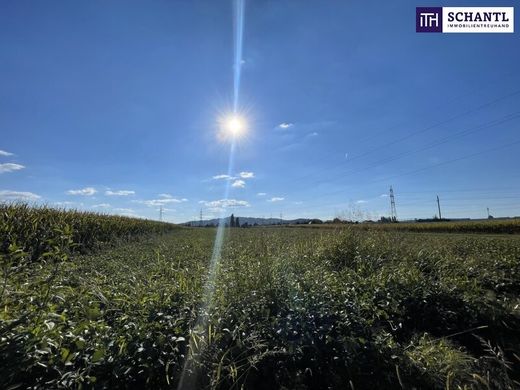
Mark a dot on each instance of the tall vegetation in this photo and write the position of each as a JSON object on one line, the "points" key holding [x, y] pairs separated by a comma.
{"points": [[33, 230], [289, 308]]}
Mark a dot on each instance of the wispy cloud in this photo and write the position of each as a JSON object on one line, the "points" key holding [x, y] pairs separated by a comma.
{"points": [[119, 193], [246, 175], [383, 196], [224, 203], [124, 211], [87, 191], [161, 201], [238, 184], [361, 201], [223, 177], [10, 167], [285, 125], [276, 199], [261, 194], [165, 196], [18, 195], [5, 154], [101, 206]]}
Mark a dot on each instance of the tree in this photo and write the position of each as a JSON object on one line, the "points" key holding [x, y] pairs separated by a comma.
{"points": [[232, 221], [237, 222]]}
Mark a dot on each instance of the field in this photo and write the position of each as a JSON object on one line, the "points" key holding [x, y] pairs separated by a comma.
{"points": [[497, 226], [128, 304]]}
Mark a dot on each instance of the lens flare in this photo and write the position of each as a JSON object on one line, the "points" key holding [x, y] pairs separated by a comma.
{"points": [[235, 125], [232, 127]]}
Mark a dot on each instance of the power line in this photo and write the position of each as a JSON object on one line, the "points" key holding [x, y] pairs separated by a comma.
{"points": [[457, 116], [466, 198], [412, 134], [479, 87], [382, 162], [444, 103], [490, 189], [427, 168]]}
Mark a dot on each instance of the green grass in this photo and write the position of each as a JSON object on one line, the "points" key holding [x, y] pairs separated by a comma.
{"points": [[292, 308]]}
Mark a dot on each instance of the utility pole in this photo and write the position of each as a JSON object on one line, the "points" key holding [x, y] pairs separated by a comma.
{"points": [[393, 212], [488, 212], [200, 221], [160, 214], [439, 207]]}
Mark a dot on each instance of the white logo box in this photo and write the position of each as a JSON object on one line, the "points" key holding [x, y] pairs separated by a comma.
{"points": [[476, 19]]}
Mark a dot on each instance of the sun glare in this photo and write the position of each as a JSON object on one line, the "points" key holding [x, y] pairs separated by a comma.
{"points": [[233, 127]]}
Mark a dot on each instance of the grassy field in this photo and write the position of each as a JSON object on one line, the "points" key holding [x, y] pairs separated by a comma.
{"points": [[492, 226], [288, 308]]}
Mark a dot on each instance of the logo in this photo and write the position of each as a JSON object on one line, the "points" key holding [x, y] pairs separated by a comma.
{"points": [[428, 19], [465, 19]]}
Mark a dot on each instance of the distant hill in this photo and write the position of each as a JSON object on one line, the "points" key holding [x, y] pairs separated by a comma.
{"points": [[251, 221]]}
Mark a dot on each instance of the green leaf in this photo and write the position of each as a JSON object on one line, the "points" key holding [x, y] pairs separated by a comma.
{"points": [[98, 355]]}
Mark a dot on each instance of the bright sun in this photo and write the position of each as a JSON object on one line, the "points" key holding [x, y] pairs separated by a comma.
{"points": [[235, 125], [232, 127]]}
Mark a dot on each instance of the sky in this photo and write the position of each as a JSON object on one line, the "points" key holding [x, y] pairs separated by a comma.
{"points": [[114, 107]]}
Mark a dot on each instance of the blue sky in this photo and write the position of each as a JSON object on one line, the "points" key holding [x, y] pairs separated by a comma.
{"points": [[112, 106]]}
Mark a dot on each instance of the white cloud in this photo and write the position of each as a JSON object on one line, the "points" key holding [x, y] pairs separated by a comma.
{"points": [[361, 201], [123, 210], [383, 196], [246, 175], [165, 196], [285, 125], [276, 199], [101, 206], [313, 134], [87, 191], [223, 203], [119, 193], [223, 177], [160, 202], [261, 194], [18, 195], [238, 184], [10, 167], [5, 154]]}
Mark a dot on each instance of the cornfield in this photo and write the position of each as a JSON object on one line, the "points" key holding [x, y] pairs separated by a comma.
{"points": [[34, 230]]}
